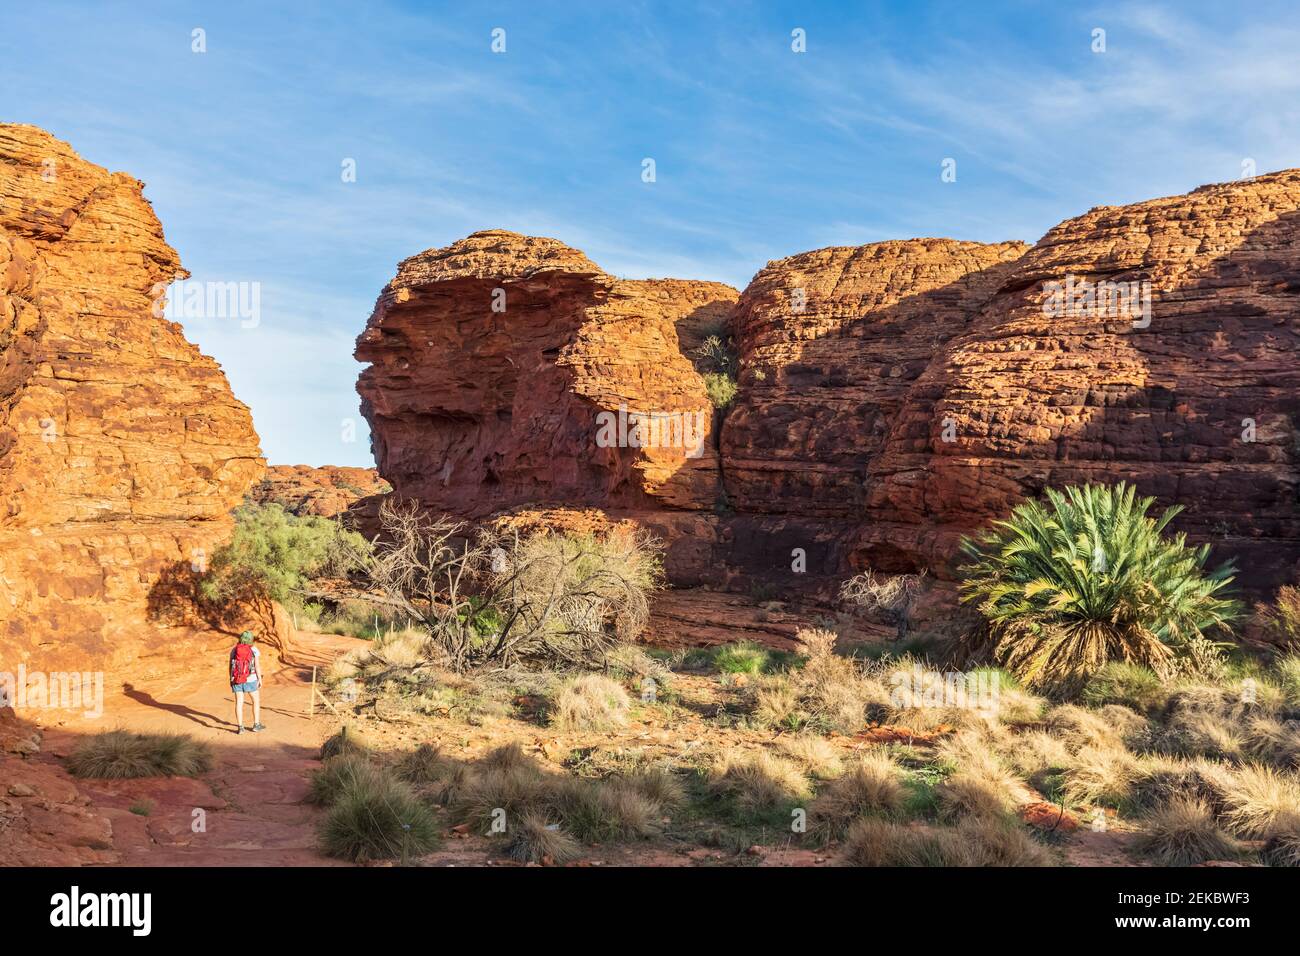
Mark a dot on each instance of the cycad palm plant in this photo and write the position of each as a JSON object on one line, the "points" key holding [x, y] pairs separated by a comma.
{"points": [[1087, 578]]}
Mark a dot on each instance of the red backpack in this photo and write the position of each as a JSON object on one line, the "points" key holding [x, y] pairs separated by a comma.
{"points": [[243, 665]]}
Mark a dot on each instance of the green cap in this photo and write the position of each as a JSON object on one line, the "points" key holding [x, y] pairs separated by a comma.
{"points": [[246, 637]]}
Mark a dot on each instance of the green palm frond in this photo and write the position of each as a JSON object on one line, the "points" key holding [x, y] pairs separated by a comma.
{"points": [[1087, 577]]}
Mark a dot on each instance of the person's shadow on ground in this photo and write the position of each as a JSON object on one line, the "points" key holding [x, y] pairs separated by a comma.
{"points": [[189, 713]]}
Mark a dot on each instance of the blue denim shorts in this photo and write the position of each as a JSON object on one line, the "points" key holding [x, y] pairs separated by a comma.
{"points": [[250, 686]]}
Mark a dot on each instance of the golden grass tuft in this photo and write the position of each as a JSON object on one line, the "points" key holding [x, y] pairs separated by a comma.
{"points": [[534, 838], [872, 786], [975, 842], [1259, 800], [120, 754], [590, 702], [757, 781], [1183, 831], [818, 757]]}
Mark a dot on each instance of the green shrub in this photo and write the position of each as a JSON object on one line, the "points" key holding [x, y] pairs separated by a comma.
{"points": [[1088, 578], [376, 817], [117, 754], [743, 657], [1129, 684], [335, 776], [721, 388], [273, 553]]}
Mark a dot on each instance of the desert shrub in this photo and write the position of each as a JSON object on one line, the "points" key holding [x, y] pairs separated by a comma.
{"points": [[1038, 757], [503, 599], [1101, 776], [979, 784], [743, 657], [335, 776], [1078, 727], [607, 811], [377, 817], [1281, 619], [590, 702], [1259, 799], [834, 691], [1273, 741], [656, 784], [1129, 684], [1287, 672], [870, 787], [1183, 831], [976, 842], [1283, 845], [887, 596], [777, 704], [344, 741], [1086, 579], [1158, 779], [757, 782], [274, 554], [117, 754], [513, 789], [437, 776], [819, 759], [721, 388], [534, 838]]}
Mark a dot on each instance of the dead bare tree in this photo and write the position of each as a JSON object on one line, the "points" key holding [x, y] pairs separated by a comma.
{"points": [[496, 599], [889, 596]]}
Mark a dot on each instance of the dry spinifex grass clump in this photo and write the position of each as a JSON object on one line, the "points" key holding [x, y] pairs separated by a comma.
{"points": [[590, 702], [1184, 831]]}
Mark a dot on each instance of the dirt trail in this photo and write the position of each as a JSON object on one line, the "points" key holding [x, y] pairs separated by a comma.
{"points": [[247, 811]]}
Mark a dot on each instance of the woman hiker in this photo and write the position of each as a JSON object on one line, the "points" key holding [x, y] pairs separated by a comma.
{"points": [[246, 678]]}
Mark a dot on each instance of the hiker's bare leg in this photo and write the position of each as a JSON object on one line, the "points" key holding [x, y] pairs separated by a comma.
{"points": [[239, 707], [257, 705]]}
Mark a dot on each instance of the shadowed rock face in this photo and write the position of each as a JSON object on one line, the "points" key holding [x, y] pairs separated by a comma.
{"points": [[122, 449], [493, 360], [892, 396]]}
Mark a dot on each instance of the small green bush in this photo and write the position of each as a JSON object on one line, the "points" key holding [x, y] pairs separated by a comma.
{"points": [[743, 657], [721, 388], [1129, 684], [273, 553]]}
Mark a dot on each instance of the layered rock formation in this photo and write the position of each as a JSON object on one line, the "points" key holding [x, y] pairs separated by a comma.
{"points": [[892, 396], [121, 447], [1196, 399], [507, 370], [328, 491]]}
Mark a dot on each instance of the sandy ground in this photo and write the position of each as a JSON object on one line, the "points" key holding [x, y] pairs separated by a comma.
{"points": [[248, 810]]}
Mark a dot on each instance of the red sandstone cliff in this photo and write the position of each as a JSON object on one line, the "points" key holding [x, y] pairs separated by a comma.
{"points": [[493, 359], [327, 491], [893, 396], [121, 447]]}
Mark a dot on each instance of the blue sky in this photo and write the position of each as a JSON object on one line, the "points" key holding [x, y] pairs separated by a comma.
{"points": [[760, 152]]}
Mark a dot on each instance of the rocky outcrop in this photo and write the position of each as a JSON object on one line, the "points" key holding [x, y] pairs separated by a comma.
{"points": [[892, 396], [327, 491], [1190, 388], [507, 370], [122, 449], [831, 342]]}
